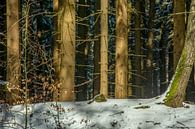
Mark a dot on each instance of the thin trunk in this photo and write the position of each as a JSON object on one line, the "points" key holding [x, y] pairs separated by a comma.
{"points": [[176, 94], [162, 62], [13, 50], [121, 68], [104, 49], [2, 50], [179, 30], [138, 50], [96, 82], [56, 49], [64, 53], [149, 61]]}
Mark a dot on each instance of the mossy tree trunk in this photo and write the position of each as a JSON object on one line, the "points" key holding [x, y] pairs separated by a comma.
{"points": [[121, 68], [179, 30], [64, 51], [13, 50], [104, 49], [176, 94]]}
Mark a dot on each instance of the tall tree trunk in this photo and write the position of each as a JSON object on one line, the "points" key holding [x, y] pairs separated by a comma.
{"points": [[138, 49], [96, 81], [121, 68], [64, 52], [176, 94], [81, 56], [104, 49], [149, 61], [164, 61], [2, 48], [13, 50], [179, 30]]}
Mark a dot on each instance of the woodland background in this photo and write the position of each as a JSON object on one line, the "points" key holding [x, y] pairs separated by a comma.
{"points": [[71, 50]]}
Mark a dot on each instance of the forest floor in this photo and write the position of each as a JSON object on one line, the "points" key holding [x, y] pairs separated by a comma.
{"points": [[113, 114]]}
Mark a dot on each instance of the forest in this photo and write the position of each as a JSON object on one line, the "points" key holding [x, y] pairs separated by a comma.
{"points": [[97, 64]]}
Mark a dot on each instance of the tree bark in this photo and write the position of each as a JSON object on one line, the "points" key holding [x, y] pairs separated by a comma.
{"points": [[104, 49], [13, 50], [179, 30], [138, 50], [81, 56], [96, 81], [149, 45], [176, 94], [121, 68], [64, 52]]}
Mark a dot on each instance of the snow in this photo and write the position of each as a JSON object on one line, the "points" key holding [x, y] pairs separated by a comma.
{"points": [[113, 114]]}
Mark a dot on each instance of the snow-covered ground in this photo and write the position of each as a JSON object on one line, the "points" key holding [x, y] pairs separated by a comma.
{"points": [[113, 114]]}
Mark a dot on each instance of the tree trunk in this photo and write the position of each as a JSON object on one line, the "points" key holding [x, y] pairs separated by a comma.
{"points": [[176, 94], [104, 49], [13, 50], [121, 68], [96, 81], [149, 61], [2, 50], [138, 50], [179, 30], [64, 52], [81, 56]]}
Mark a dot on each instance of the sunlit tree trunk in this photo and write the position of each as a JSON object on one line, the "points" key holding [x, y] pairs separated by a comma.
{"points": [[64, 51], [104, 49], [176, 94], [149, 45], [121, 68], [13, 50], [179, 30]]}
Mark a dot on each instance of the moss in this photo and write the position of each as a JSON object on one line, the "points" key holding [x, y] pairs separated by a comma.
{"points": [[100, 98], [169, 99]]}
